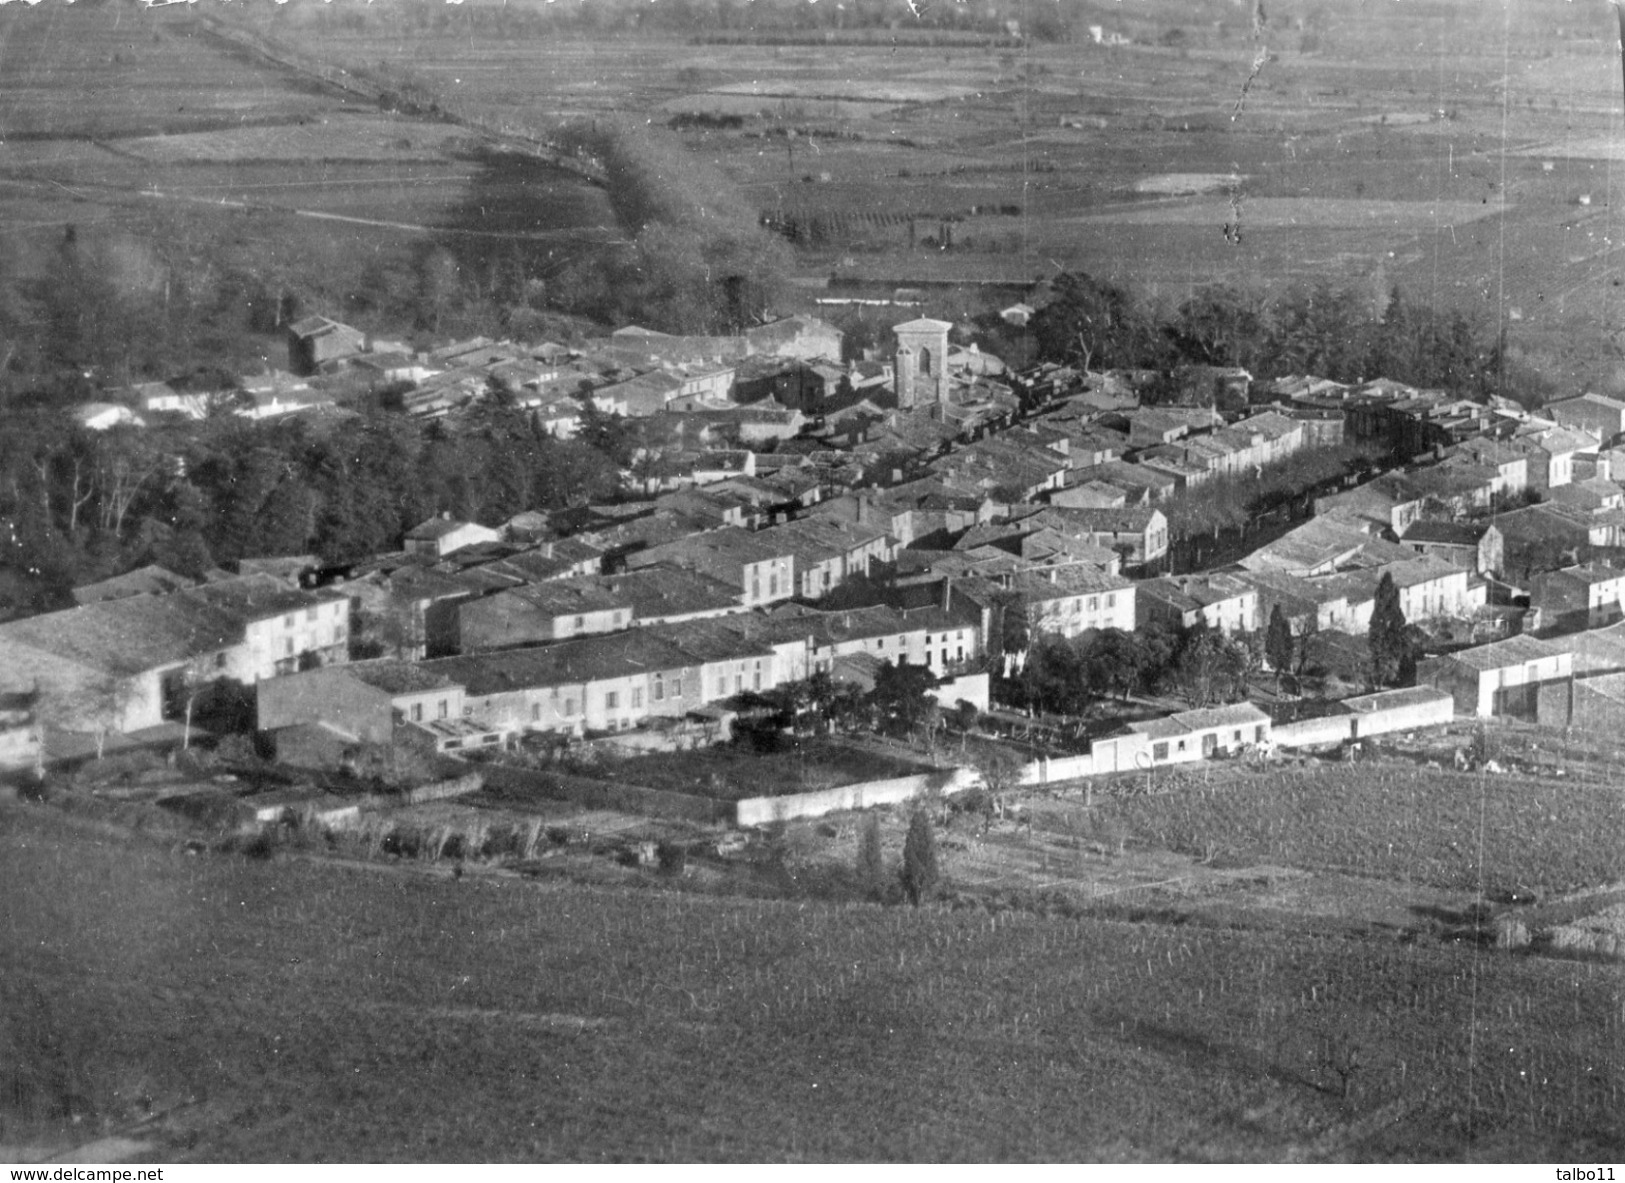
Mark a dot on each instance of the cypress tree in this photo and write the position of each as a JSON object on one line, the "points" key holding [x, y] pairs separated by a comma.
{"points": [[1278, 643], [1388, 642], [871, 862], [920, 871]]}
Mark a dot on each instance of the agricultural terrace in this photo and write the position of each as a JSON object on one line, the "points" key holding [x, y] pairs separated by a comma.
{"points": [[333, 1013]]}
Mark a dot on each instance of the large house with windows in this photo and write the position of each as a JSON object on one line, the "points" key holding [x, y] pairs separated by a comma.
{"points": [[761, 566], [606, 683], [128, 664]]}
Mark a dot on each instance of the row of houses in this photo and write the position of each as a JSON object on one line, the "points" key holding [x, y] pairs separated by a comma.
{"points": [[612, 682]]}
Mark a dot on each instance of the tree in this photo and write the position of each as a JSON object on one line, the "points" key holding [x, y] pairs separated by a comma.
{"points": [[1201, 664], [1387, 637], [1053, 679], [1278, 644], [900, 694], [1001, 773], [1111, 661], [871, 859], [96, 703], [1095, 323], [920, 870]]}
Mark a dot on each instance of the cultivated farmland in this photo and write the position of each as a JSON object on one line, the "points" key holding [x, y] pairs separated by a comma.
{"points": [[374, 1015]]}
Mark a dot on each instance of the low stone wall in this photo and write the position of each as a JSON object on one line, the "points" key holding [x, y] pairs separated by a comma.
{"points": [[441, 789], [759, 811], [1044, 772], [1307, 733]]}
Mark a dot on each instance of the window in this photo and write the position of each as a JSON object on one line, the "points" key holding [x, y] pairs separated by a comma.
{"points": [[1258, 734], [581, 622], [442, 708], [722, 685], [1094, 603], [660, 688], [1159, 751], [1182, 745], [569, 707], [287, 647], [535, 712], [637, 697], [287, 621], [338, 632], [755, 587], [756, 680], [677, 688], [468, 711], [219, 661], [1238, 735], [417, 712], [612, 699], [310, 613], [772, 585], [1111, 601]]}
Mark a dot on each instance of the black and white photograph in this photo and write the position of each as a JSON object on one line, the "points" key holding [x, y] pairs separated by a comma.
{"points": [[812, 581]]}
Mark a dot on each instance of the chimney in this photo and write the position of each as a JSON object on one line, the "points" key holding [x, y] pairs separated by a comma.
{"points": [[947, 593]]}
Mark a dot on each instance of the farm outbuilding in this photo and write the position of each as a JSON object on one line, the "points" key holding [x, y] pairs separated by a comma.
{"points": [[1503, 678], [1199, 734], [1399, 710], [1597, 705]]}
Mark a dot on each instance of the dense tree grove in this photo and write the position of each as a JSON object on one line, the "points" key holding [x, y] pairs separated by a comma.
{"points": [[1321, 329], [698, 262], [1066, 676], [78, 505]]}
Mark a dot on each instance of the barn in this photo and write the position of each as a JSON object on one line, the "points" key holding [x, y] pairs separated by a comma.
{"points": [[1502, 678]]}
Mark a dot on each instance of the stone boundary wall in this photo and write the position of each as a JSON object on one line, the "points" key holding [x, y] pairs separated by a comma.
{"points": [[760, 811]]}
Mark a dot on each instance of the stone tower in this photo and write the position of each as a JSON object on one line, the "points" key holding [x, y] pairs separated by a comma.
{"points": [[921, 364]]}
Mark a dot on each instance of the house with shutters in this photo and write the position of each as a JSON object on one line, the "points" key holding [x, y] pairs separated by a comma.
{"points": [[1222, 602], [594, 684]]}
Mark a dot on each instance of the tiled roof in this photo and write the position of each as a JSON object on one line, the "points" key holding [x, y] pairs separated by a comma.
{"points": [[1512, 651]]}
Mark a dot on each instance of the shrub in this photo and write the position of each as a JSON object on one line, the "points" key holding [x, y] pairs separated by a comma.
{"points": [[871, 860], [673, 857]]}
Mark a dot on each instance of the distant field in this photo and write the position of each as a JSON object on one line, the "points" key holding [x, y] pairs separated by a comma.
{"points": [[291, 1011], [121, 72], [347, 138]]}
